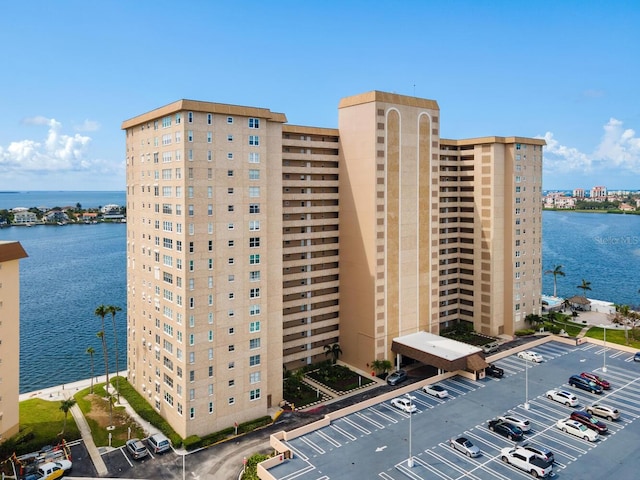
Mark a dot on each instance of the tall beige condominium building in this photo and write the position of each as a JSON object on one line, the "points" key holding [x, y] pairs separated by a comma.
{"points": [[253, 245], [10, 255]]}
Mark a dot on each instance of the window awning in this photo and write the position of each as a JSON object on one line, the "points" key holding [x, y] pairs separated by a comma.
{"points": [[443, 353]]}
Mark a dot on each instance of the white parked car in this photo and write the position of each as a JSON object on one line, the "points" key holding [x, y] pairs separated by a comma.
{"points": [[404, 404], [530, 356], [604, 411], [523, 423], [435, 390], [578, 429], [568, 398]]}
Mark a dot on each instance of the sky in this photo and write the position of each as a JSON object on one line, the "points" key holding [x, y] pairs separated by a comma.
{"points": [[73, 71]]}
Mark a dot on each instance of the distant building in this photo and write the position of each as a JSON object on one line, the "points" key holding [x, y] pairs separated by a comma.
{"points": [[10, 254], [24, 217], [625, 207], [599, 193], [55, 216], [559, 200], [578, 193], [111, 208]]}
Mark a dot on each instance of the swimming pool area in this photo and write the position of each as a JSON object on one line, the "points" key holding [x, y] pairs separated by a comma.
{"points": [[550, 302]]}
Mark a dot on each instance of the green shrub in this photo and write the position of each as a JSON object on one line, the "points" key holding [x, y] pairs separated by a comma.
{"points": [[147, 412], [524, 332], [251, 468]]}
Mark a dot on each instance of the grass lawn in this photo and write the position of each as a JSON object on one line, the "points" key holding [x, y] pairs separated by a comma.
{"points": [[95, 408], [301, 394], [615, 335], [45, 419]]}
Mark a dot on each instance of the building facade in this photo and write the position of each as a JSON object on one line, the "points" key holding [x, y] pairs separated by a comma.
{"points": [[10, 255], [254, 245]]}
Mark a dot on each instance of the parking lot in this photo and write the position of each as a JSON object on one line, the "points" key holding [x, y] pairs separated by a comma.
{"points": [[376, 441]]}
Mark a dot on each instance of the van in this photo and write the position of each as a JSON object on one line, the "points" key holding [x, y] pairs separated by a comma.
{"points": [[158, 443], [491, 347]]}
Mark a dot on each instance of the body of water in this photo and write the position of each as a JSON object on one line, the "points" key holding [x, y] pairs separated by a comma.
{"points": [[10, 200], [69, 272], [601, 248], [73, 269]]}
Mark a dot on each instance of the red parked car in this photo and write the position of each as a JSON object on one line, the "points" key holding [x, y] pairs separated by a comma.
{"points": [[596, 379]]}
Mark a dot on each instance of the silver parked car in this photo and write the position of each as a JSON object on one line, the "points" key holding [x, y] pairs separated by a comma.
{"points": [[464, 445]]}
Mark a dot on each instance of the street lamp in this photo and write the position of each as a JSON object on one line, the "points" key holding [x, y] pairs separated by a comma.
{"points": [[410, 460], [604, 352], [526, 383]]}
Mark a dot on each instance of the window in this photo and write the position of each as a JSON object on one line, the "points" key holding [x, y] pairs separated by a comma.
{"points": [[231, 365], [254, 360], [210, 210], [254, 225], [254, 276], [209, 118], [231, 348], [254, 192], [254, 394], [231, 401], [254, 140], [254, 123], [254, 259], [231, 382], [230, 156], [192, 412], [254, 208], [254, 310], [229, 173], [210, 407], [254, 377], [209, 137], [229, 138], [190, 135], [210, 375], [254, 293], [231, 261], [192, 375], [254, 157], [254, 327], [229, 119], [230, 190], [254, 343], [254, 174], [190, 117]]}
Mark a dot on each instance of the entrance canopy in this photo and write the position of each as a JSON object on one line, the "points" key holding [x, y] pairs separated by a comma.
{"points": [[443, 353]]}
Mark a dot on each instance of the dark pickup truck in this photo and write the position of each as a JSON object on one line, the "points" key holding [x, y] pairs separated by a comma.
{"points": [[494, 371]]}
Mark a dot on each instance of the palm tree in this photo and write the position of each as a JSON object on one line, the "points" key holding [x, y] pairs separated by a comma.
{"points": [[102, 311], [91, 351], [334, 350], [585, 286], [100, 335], [65, 406], [112, 309], [557, 270]]}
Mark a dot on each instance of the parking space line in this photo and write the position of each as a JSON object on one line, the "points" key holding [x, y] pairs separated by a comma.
{"points": [[355, 425], [389, 417], [367, 419], [125, 456], [452, 465], [402, 467], [343, 432], [312, 445], [329, 439], [486, 441], [297, 473], [386, 476], [297, 452], [432, 469]]}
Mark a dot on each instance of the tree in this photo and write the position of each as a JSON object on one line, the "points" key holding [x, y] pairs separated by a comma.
{"points": [[101, 311], [91, 351], [65, 406], [334, 351], [112, 309], [381, 366], [585, 286], [628, 318], [557, 270], [534, 319]]}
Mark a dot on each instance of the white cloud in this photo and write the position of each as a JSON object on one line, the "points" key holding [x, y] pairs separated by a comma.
{"points": [[56, 152], [618, 147], [88, 126]]}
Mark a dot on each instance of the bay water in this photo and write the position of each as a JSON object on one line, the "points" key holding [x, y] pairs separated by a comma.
{"points": [[74, 268]]}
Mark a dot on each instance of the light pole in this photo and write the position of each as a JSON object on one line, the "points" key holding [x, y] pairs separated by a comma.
{"points": [[526, 383], [604, 354], [410, 461]]}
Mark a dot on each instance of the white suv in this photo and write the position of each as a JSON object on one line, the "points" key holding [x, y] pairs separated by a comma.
{"points": [[569, 399]]}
